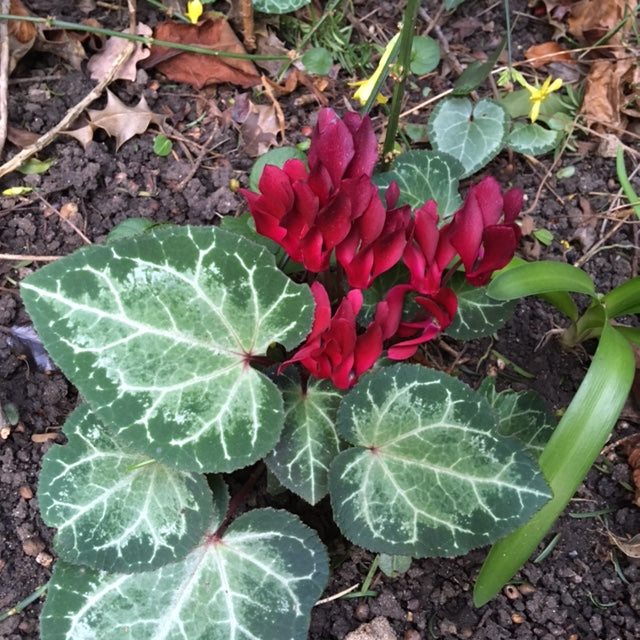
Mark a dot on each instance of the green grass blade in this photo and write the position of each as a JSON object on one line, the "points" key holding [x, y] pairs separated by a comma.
{"points": [[567, 457], [625, 183]]}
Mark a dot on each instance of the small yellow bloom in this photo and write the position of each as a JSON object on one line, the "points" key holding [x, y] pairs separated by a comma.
{"points": [[538, 94], [366, 87], [194, 10]]}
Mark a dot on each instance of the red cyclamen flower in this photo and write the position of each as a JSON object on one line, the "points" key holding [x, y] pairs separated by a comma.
{"points": [[309, 212], [333, 349], [475, 233], [333, 205]]}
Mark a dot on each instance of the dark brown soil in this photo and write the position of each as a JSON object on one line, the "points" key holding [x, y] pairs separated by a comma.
{"points": [[584, 589]]}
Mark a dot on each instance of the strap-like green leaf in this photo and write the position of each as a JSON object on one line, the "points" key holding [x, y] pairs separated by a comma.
{"points": [[116, 509], [624, 299], [258, 582], [423, 176], [567, 457], [534, 278], [472, 134], [428, 474], [309, 440], [157, 332]]}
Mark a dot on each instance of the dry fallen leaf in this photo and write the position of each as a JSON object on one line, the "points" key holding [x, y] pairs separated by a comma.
{"points": [[22, 34], [603, 96], [82, 131], [101, 63], [64, 44], [591, 20], [20, 137], [545, 53], [121, 121], [258, 125], [632, 450], [199, 69], [630, 548]]}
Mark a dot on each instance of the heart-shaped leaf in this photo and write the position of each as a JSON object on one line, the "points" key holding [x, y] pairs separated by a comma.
{"points": [[473, 134], [115, 509], [532, 139], [425, 55], [309, 441], [157, 331], [259, 581], [423, 176], [428, 474], [521, 414], [478, 315]]}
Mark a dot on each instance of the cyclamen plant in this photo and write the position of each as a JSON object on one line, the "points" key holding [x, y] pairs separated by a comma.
{"points": [[168, 336]]}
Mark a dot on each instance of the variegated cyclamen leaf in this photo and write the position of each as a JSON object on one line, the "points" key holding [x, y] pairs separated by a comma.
{"points": [[309, 441], [157, 332], [478, 315], [472, 134], [533, 139], [116, 509], [258, 582], [278, 6], [521, 414], [425, 175], [428, 475]]}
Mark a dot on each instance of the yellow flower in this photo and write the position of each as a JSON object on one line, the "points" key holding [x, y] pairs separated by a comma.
{"points": [[539, 94], [366, 87], [194, 10]]}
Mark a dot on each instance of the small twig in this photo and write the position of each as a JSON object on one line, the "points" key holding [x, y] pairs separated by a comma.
{"points": [[204, 149], [4, 73], [336, 596], [132, 16], [596, 247], [550, 170], [14, 257], [53, 210], [248, 26], [69, 117]]}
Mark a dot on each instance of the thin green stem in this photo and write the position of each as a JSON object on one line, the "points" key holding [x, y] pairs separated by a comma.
{"points": [[72, 26], [159, 5], [507, 18], [404, 62]]}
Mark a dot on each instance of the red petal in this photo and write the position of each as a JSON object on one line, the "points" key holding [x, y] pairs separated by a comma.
{"points": [[513, 200], [365, 145], [368, 348], [331, 146]]}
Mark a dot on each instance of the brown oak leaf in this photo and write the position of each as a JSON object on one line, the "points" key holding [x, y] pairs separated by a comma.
{"points": [[121, 121], [199, 69], [258, 125], [101, 63]]}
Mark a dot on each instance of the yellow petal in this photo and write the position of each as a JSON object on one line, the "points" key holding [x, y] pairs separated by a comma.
{"points": [[194, 10], [363, 92], [555, 85], [535, 111]]}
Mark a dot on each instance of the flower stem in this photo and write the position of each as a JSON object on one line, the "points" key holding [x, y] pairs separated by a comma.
{"points": [[73, 26], [404, 62]]}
